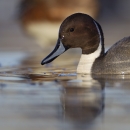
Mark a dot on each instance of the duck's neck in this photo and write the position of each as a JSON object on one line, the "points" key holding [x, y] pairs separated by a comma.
{"points": [[87, 60]]}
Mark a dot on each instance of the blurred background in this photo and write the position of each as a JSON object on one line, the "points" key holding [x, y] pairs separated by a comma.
{"points": [[29, 28], [31, 25]]}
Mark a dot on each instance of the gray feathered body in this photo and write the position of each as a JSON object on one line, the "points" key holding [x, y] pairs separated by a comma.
{"points": [[116, 60]]}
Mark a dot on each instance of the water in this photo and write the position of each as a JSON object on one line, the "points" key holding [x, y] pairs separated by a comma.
{"points": [[55, 97]]}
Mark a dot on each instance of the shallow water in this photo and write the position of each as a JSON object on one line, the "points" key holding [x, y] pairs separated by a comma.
{"points": [[55, 97]]}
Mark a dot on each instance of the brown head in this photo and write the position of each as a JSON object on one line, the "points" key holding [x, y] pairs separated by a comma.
{"points": [[77, 31]]}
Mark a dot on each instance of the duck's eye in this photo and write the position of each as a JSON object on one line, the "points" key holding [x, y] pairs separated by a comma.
{"points": [[71, 29]]}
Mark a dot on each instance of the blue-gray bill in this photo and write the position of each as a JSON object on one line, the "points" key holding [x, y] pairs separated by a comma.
{"points": [[58, 50]]}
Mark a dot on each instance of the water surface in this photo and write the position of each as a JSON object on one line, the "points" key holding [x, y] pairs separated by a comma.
{"points": [[55, 97]]}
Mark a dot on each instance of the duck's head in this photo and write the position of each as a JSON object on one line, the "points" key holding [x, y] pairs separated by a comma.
{"points": [[77, 31]]}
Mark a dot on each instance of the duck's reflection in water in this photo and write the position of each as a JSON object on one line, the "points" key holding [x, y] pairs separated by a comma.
{"points": [[82, 99]]}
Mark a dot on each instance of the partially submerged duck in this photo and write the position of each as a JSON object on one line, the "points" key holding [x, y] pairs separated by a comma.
{"points": [[82, 31]]}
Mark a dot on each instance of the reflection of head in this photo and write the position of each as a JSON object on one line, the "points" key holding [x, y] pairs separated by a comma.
{"points": [[82, 104]]}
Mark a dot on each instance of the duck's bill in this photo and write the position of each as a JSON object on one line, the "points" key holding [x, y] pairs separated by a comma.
{"points": [[58, 50]]}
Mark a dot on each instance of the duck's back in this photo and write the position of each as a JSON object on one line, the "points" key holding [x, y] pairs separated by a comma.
{"points": [[116, 60]]}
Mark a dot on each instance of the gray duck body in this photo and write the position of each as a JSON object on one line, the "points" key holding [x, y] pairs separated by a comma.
{"points": [[115, 61]]}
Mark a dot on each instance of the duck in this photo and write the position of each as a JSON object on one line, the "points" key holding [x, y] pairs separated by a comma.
{"points": [[37, 17], [80, 30]]}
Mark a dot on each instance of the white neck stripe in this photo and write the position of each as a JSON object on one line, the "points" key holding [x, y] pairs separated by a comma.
{"points": [[98, 32], [86, 61]]}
